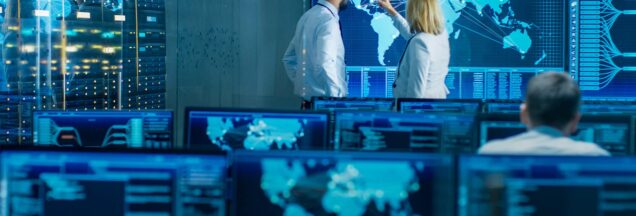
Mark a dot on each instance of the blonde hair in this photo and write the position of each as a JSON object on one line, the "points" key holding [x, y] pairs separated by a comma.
{"points": [[425, 16]]}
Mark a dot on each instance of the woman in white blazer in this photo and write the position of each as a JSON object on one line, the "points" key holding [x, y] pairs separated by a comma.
{"points": [[424, 65]]}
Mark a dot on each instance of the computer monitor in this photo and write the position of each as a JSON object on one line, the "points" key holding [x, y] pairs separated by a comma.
{"points": [[360, 104], [339, 183], [502, 106], [588, 107], [524, 185], [612, 132], [435, 105], [51, 182], [103, 129], [379, 131], [229, 129], [609, 107]]}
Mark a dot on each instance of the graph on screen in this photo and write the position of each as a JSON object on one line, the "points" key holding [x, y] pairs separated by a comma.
{"points": [[602, 50], [496, 46], [105, 129]]}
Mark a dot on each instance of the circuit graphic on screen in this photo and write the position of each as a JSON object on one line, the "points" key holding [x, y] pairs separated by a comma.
{"points": [[603, 53]]}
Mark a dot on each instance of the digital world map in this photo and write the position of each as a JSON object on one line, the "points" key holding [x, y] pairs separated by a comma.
{"points": [[254, 134], [510, 32], [350, 187]]}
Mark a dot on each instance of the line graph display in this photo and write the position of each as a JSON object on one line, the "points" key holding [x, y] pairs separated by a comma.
{"points": [[603, 54], [496, 46], [106, 129]]}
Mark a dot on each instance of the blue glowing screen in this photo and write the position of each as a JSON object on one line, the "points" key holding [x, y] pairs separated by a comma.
{"points": [[332, 104], [331, 183], [496, 46], [83, 183], [228, 130], [613, 133], [546, 185], [103, 129], [602, 48], [377, 131], [439, 106]]}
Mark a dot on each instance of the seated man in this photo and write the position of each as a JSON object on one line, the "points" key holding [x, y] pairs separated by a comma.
{"points": [[551, 113]]}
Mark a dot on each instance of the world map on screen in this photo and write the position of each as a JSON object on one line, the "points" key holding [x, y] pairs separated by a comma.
{"points": [[511, 33]]}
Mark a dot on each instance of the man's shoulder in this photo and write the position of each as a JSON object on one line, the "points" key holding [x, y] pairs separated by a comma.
{"points": [[319, 14], [503, 146], [586, 148], [533, 144]]}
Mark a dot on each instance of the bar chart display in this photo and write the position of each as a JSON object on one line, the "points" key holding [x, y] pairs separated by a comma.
{"points": [[602, 50]]}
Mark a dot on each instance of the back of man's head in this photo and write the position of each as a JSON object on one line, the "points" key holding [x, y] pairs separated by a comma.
{"points": [[552, 99]]}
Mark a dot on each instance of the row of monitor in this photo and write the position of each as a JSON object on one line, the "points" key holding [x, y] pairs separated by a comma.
{"points": [[441, 128], [455, 105], [64, 182]]}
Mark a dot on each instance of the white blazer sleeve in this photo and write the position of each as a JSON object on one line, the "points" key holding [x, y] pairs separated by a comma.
{"points": [[290, 60], [403, 26], [419, 65], [328, 67]]}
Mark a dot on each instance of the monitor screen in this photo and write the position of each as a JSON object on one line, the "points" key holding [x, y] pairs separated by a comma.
{"points": [[113, 183], [377, 131], [103, 129], [503, 106], [613, 133], [442, 106], [229, 129], [603, 49], [496, 46], [332, 183], [520, 185], [609, 107], [588, 107], [361, 104]]}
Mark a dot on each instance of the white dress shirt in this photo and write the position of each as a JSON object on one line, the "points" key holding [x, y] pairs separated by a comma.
{"points": [[423, 68], [314, 60], [542, 141]]}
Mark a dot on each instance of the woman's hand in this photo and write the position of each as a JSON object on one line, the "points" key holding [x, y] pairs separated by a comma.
{"points": [[386, 4]]}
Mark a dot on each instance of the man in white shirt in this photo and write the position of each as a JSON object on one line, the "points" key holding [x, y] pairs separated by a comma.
{"points": [[551, 113], [314, 60]]}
